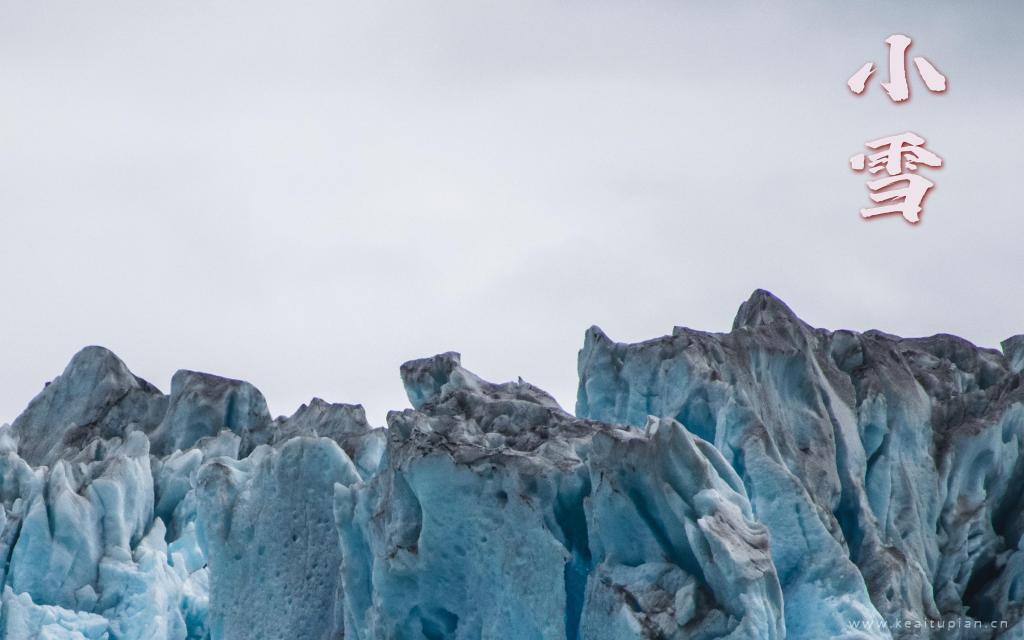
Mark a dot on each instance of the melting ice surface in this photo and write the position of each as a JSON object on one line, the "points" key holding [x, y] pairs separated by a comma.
{"points": [[776, 481]]}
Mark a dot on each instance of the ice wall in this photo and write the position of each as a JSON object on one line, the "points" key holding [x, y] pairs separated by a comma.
{"points": [[776, 481]]}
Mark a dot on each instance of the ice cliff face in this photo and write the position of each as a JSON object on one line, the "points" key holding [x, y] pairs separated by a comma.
{"points": [[887, 470], [776, 481], [498, 515]]}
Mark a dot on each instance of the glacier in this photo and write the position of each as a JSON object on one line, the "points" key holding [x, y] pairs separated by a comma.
{"points": [[773, 481]]}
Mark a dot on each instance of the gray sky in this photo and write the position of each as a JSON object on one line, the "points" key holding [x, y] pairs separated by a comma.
{"points": [[305, 195]]}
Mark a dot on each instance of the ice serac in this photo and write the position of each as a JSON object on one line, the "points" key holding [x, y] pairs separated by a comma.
{"points": [[676, 549], [345, 424], [82, 545], [88, 511], [887, 470], [266, 528], [96, 396], [1014, 350], [202, 405], [103, 537], [496, 514]]}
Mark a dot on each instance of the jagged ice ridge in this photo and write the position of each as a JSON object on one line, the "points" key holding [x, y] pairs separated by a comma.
{"points": [[776, 481]]}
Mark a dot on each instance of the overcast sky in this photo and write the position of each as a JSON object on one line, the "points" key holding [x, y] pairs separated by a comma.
{"points": [[305, 195]]}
